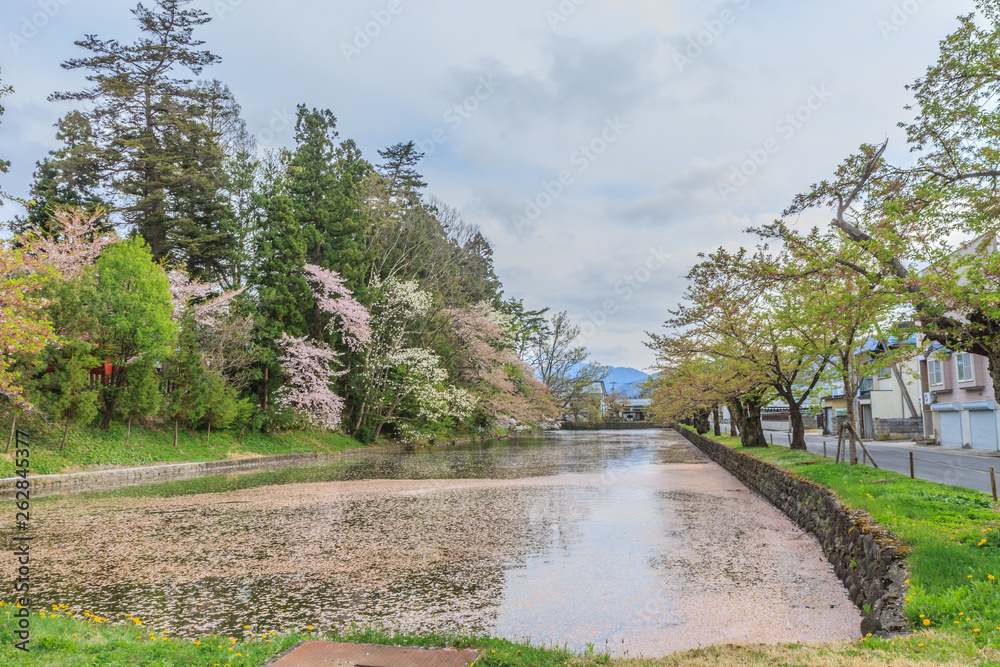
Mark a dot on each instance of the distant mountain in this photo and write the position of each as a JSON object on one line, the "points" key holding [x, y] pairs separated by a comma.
{"points": [[628, 390], [622, 375], [625, 381]]}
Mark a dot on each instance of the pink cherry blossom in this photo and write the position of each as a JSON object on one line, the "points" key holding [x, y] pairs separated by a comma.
{"points": [[78, 243], [349, 317], [206, 301], [307, 365]]}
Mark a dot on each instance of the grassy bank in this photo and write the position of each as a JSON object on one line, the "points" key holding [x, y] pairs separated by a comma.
{"points": [[67, 638], [89, 448]]}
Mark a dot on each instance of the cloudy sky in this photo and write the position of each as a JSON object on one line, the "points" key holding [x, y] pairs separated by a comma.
{"points": [[600, 144]]}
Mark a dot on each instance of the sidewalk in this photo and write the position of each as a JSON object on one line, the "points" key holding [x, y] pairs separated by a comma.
{"points": [[955, 467], [814, 436]]}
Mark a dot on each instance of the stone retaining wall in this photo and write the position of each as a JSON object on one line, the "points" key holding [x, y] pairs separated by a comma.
{"points": [[116, 477], [868, 559], [886, 429]]}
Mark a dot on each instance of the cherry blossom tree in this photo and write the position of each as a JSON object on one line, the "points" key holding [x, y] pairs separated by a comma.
{"points": [[76, 242], [400, 381], [207, 301], [308, 365], [347, 316], [508, 394]]}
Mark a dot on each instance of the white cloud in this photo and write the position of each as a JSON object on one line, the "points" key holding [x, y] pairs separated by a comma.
{"points": [[656, 185]]}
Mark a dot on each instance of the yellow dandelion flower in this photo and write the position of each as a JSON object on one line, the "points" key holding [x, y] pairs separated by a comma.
{"points": [[927, 621]]}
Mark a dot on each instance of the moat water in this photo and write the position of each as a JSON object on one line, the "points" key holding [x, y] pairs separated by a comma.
{"points": [[631, 540]]}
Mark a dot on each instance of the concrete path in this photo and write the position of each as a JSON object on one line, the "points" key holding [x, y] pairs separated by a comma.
{"points": [[954, 467]]}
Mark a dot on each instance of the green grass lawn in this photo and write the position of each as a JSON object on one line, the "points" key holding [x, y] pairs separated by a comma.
{"points": [[68, 638], [75, 638], [89, 448]]}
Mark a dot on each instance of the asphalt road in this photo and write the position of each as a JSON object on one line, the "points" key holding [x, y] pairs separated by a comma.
{"points": [[947, 466]]}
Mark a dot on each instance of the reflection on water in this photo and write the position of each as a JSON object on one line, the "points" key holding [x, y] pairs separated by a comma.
{"points": [[494, 459], [631, 537]]}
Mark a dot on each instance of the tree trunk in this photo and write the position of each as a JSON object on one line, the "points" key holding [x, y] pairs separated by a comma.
{"points": [[13, 430], [128, 431], [110, 397], [387, 417], [701, 422], [62, 445], [208, 440], [851, 431], [994, 363], [798, 428], [108, 411], [753, 433], [716, 420], [737, 419], [746, 414], [175, 433], [263, 392]]}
